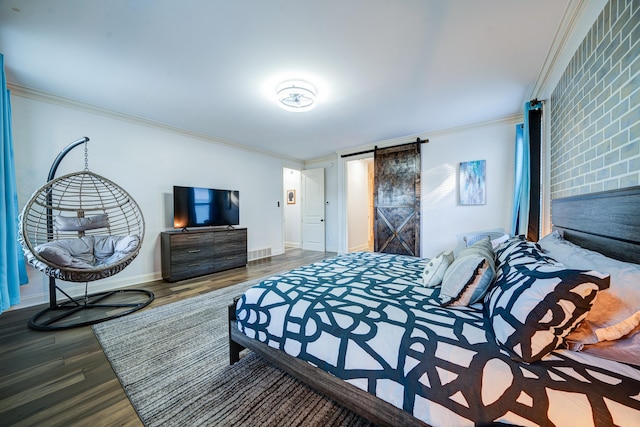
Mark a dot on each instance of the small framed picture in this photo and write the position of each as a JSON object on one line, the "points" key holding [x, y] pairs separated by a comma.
{"points": [[472, 182], [291, 197]]}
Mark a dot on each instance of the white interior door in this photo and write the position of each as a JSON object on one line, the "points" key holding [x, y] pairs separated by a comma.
{"points": [[313, 225]]}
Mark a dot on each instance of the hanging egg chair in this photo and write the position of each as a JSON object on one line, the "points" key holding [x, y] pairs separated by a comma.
{"points": [[82, 227]]}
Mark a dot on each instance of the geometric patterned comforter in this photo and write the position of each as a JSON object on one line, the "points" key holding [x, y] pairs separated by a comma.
{"points": [[365, 318]]}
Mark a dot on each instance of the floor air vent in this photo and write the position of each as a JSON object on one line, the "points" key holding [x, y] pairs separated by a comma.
{"points": [[259, 254]]}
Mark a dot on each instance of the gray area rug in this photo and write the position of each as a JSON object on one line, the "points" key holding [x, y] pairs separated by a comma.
{"points": [[173, 363]]}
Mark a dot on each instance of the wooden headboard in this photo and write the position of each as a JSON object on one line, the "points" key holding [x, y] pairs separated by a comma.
{"points": [[607, 222]]}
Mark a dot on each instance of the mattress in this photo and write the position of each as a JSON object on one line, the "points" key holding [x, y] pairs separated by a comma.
{"points": [[365, 318]]}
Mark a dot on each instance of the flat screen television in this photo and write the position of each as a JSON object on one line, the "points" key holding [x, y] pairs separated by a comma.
{"points": [[205, 207]]}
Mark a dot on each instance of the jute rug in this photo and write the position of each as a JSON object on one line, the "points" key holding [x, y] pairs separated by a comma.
{"points": [[173, 363]]}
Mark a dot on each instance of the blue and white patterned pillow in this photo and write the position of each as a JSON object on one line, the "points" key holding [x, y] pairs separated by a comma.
{"points": [[537, 301], [517, 250]]}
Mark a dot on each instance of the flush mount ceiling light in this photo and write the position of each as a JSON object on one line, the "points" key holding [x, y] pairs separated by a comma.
{"points": [[296, 95]]}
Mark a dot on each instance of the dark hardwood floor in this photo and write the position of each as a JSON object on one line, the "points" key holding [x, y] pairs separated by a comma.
{"points": [[63, 378]]}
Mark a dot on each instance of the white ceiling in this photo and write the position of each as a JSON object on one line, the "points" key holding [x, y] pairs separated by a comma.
{"points": [[383, 68]]}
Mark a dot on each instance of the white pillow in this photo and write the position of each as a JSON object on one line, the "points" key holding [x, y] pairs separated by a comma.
{"points": [[501, 239], [434, 270], [613, 305]]}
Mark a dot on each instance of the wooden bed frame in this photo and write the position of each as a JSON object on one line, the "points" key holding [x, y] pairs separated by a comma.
{"points": [[607, 222], [362, 403]]}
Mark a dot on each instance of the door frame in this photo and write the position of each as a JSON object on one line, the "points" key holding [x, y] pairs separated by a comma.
{"points": [[370, 214], [285, 188], [343, 226]]}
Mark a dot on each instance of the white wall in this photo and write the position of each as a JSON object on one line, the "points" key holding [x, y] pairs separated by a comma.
{"points": [[292, 212], [146, 161], [444, 220], [357, 205]]}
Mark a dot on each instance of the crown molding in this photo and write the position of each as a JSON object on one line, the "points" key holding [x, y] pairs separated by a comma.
{"points": [[26, 92], [562, 48], [511, 119], [330, 160], [560, 40]]}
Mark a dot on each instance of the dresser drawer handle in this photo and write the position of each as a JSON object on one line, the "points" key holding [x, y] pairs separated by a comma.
{"points": [[194, 251], [193, 265], [192, 237]]}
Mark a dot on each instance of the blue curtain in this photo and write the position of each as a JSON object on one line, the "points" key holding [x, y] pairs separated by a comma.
{"points": [[13, 272], [526, 169], [520, 173]]}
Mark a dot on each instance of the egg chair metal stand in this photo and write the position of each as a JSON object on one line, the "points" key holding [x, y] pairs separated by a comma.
{"points": [[82, 227]]}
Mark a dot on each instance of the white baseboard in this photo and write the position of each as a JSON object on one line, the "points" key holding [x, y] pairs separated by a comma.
{"points": [[77, 289], [278, 252]]}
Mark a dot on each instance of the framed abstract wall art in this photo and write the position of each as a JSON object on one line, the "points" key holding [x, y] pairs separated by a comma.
{"points": [[472, 182]]}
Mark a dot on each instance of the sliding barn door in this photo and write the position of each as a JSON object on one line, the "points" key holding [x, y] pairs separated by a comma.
{"points": [[397, 200]]}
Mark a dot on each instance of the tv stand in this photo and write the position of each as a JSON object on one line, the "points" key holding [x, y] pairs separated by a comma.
{"points": [[190, 253]]}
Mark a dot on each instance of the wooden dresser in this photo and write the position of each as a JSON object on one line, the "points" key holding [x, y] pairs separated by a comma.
{"points": [[192, 253]]}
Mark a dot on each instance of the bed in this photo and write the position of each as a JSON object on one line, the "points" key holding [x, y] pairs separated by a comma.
{"points": [[375, 333]]}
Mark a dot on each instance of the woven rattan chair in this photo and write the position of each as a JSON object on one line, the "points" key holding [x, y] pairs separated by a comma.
{"points": [[82, 227]]}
